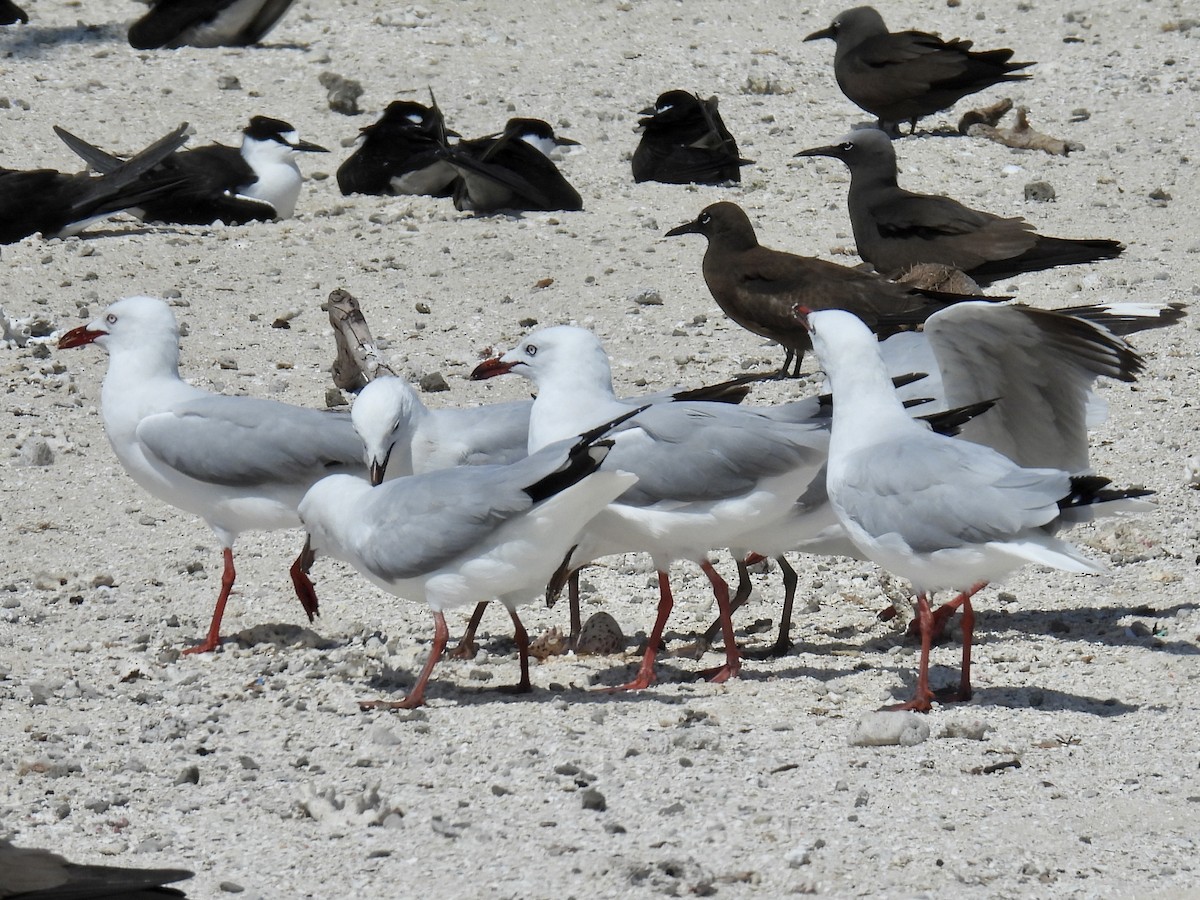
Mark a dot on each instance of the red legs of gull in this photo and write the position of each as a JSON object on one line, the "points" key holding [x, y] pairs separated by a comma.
{"points": [[922, 697], [645, 674], [733, 659], [783, 643], [213, 640], [302, 583], [941, 618], [927, 626], [416, 697], [466, 647]]}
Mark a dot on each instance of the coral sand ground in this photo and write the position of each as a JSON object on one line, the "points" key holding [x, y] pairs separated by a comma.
{"points": [[254, 766]]}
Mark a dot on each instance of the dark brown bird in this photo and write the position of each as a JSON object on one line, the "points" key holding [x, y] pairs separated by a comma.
{"points": [[59, 204], [897, 229], [685, 141], [512, 170], [759, 288], [903, 76], [27, 874], [10, 13]]}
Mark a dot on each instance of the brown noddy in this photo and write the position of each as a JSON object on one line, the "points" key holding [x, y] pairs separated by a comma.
{"points": [[759, 288], [903, 76], [897, 229], [685, 141]]}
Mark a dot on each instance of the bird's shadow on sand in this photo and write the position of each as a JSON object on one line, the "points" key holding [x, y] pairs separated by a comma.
{"points": [[33, 41]]}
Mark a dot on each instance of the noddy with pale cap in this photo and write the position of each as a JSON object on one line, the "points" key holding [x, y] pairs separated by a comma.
{"points": [[903, 76], [685, 141], [897, 229], [759, 287]]}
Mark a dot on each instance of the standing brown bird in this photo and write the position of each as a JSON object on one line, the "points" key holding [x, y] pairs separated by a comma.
{"points": [[759, 288], [904, 76], [896, 229]]}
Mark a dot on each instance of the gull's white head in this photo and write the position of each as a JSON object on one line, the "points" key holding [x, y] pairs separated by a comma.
{"points": [[129, 324], [384, 416], [552, 354]]}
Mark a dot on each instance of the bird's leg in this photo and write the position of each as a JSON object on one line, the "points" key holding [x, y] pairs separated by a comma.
{"points": [[783, 643], [787, 361], [968, 635], [302, 583], [573, 612], [923, 697], [733, 659], [466, 647], [796, 364], [213, 640], [703, 643], [522, 638], [416, 697], [968, 632], [941, 620], [645, 674]]}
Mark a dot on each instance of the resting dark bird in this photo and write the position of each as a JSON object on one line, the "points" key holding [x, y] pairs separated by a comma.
{"points": [[903, 76], [28, 874], [512, 170], [57, 204], [206, 23], [400, 154], [684, 141], [10, 13], [258, 182], [760, 288], [897, 229]]}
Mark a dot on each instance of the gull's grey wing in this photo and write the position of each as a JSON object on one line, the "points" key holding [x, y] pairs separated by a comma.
{"points": [[708, 451], [243, 441], [1040, 364], [939, 493], [420, 523]]}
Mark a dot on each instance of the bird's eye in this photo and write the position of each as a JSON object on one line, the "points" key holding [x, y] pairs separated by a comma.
{"points": [[705, 218], [531, 349], [846, 146], [111, 319]]}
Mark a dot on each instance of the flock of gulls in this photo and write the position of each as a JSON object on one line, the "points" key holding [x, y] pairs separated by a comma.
{"points": [[951, 449]]}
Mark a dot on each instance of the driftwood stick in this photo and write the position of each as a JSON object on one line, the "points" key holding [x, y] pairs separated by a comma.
{"points": [[358, 359], [1022, 135]]}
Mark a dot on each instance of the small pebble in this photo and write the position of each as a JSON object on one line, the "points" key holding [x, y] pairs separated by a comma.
{"points": [[433, 383], [593, 799], [882, 729], [1039, 191], [646, 297]]}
